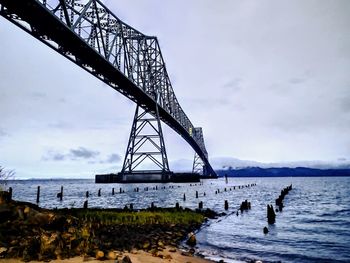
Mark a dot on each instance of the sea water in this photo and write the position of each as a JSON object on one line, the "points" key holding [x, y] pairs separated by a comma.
{"points": [[314, 225]]}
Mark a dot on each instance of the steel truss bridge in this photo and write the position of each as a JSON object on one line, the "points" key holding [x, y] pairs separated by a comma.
{"points": [[87, 33]]}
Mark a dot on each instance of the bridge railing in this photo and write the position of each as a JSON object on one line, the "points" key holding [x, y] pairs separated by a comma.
{"points": [[134, 54]]}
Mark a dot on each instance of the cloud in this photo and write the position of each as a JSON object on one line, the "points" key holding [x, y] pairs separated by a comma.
{"points": [[80, 153], [234, 84], [113, 158], [83, 153], [52, 155], [37, 95], [295, 81], [3, 133]]}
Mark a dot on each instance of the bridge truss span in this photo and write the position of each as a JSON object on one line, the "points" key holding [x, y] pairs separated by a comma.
{"points": [[90, 35]]}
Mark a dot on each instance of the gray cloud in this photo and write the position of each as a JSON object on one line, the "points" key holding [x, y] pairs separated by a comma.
{"points": [[52, 155], [113, 158], [37, 95], [234, 84], [83, 153], [297, 80], [3, 133], [80, 153]]}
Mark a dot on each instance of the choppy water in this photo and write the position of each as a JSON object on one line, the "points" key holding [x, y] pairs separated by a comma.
{"points": [[313, 227]]}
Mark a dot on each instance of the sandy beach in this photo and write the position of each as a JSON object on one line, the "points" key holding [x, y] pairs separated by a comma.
{"points": [[136, 256]]}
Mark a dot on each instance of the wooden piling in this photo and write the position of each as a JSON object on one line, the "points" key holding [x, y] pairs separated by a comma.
{"points": [[184, 197], [87, 194], [131, 206], [38, 195], [113, 191], [61, 195], [226, 205], [99, 192], [196, 194], [85, 204], [177, 206], [200, 205]]}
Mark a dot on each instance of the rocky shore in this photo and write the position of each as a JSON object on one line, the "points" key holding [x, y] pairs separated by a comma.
{"points": [[28, 232]]}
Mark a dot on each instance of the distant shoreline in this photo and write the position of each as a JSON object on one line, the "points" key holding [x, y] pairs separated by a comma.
{"points": [[283, 172]]}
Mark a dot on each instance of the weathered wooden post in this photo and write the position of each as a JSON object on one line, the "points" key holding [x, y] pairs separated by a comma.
{"points": [[226, 205], [184, 197], [87, 194], [99, 192], [60, 195], [86, 204], [38, 195], [120, 190], [196, 194], [200, 205], [177, 206], [113, 191], [131, 206], [271, 216]]}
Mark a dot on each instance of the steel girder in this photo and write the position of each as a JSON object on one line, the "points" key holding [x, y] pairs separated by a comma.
{"points": [[90, 35]]}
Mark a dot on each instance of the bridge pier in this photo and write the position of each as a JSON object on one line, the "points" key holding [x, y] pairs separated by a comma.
{"points": [[146, 143]]}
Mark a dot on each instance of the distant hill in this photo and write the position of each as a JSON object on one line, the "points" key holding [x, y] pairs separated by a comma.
{"points": [[282, 172]]}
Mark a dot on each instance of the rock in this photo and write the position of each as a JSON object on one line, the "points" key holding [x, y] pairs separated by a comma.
{"points": [[154, 252], [186, 254], [169, 257], [146, 245], [20, 213], [99, 255], [160, 255], [191, 241], [48, 244], [31, 249], [26, 210], [3, 250], [126, 259], [112, 255], [59, 253], [4, 197], [173, 250], [161, 244], [6, 213]]}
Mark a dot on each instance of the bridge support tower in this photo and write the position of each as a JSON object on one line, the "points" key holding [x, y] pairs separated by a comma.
{"points": [[146, 142]]}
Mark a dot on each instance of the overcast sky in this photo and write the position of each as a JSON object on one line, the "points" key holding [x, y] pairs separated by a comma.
{"points": [[268, 81]]}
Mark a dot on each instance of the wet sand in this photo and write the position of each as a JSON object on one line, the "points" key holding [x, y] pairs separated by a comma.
{"points": [[137, 256]]}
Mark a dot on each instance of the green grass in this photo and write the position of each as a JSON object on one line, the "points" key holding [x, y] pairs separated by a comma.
{"points": [[140, 218]]}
